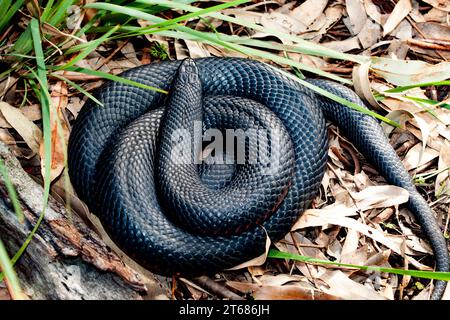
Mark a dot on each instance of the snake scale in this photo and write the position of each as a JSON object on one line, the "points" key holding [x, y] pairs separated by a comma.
{"points": [[190, 218]]}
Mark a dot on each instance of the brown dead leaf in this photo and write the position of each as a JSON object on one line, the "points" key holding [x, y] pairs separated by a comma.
{"points": [[373, 11], [412, 241], [325, 217], [415, 13], [362, 85], [4, 294], [30, 132], [59, 131], [417, 157], [343, 45], [10, 141], [446, 294], [397, 50], [280, 279], [75, 104], [196, 49], [309, 11], [408, 72], [369, 34], [340, 285], [443, 5], [356, 16], [380, 197], [403, 31], [432, 30], [442, 184], [401, 10], [130, 54], [436, 15], [283, 23], [291, 292], [280, 292], [350, 249]]}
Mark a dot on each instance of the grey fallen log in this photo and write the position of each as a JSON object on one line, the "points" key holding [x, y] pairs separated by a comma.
{"points": [[66, 259]]}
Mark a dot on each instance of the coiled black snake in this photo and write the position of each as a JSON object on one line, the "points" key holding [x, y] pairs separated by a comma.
{"points": [[182, 217]]}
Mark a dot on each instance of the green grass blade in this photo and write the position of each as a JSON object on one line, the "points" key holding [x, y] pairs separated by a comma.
{"points": [[60, 12], [89, 48], [185, 17], [46, 191], [426, 84], [4, 7], [79, 88], [45, 100], [186, 32], [47, 10], [11, 192], [435, 275], [114, 78], [306, 46], [8, 271], [338, 99], [24, 44], [428, 101], [5, 19]]}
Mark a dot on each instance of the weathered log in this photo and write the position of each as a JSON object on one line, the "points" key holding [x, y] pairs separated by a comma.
{"points": [[66, 259]]}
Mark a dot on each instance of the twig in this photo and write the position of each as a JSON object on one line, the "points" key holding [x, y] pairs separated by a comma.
{"points": [[216, 288], [430, 44]]}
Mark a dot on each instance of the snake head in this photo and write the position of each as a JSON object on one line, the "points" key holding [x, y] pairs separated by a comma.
{"points": [[187, 73]]}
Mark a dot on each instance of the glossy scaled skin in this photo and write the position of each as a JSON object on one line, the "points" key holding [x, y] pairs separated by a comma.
{"points": [[187, 218]]}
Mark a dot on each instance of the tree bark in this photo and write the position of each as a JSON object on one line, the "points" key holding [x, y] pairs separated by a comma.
{"points": [[66, 259]]}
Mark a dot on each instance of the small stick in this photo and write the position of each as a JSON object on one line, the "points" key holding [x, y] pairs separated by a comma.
{"points": [[430, 44], [217, 288]]}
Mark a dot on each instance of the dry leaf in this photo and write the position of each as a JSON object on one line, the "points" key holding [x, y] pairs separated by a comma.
{"points": [[280, 279], [350, 247], [324, 217], [439, 4], [404, 73], [369, 34], [332, 15], [196, 49], [403, 31], [283, 23], [130, 54], [442, 184], [436, 15], [30, 132], [356, 16], [10, 141], [372, 11], [362, 86], [415, 13], [380, 197], [401, 10], [417, 157], [340, 285], [32, 112], [446, 294], [290, 292], [344, 45], [434, 30], [59, 131], [309, 11]]}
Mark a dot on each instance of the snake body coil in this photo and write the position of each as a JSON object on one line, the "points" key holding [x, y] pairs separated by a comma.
{"points": [[198, 218]]}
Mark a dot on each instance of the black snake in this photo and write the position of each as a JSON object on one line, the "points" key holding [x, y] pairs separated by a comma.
{"points": [[191, 218]]}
